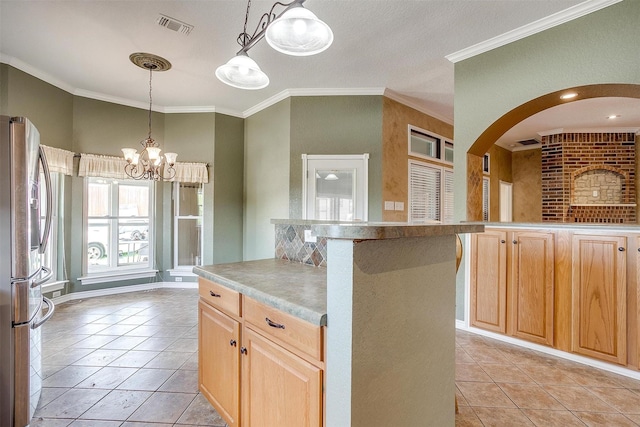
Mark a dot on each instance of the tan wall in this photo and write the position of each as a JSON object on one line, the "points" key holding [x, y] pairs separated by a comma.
{"points": [[396, 119], [527, 185], [499, 170]]}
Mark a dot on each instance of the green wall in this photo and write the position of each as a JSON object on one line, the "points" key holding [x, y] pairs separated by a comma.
{"points": [[228, 177], [601, 47], [336, 125], [266, 177]]}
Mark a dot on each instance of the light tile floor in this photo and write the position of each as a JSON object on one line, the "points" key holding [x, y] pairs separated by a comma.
{"points": [[500, 384], [124, 360], [131, 360]]}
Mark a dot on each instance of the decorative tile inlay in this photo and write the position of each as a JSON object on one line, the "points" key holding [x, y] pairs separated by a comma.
{"points": [[291, 246]]}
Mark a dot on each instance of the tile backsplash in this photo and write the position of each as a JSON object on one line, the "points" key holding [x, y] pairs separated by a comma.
{"points": [[291, 245]]}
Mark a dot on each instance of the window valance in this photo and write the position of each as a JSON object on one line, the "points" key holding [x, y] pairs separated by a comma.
{"points": [[113, 167], [59, 160]]}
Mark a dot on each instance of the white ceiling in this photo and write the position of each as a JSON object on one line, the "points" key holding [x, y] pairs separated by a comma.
{"points": [[83, 46]]}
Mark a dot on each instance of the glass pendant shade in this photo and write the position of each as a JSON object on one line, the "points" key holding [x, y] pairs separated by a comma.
{"points": [[129, 154], [242, 72], [299, 32], [170, 158], [153, 153]]}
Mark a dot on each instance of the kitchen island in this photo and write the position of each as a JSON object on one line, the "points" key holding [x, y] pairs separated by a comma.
{"points": [[383, 345]]}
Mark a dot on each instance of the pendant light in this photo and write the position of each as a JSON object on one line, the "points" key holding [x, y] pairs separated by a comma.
{"points": [[295, 31]]}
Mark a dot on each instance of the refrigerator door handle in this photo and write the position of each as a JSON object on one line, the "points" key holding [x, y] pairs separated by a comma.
{"points": [[47, 275], [43, 319], [47, 180]]}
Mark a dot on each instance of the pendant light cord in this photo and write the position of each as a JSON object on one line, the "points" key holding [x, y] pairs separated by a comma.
{"points": [[150, 99], [246, 19]]}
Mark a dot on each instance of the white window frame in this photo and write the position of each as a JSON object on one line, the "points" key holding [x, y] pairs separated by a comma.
{"points": [[183, 270], [362, 185], [118, 273], [444, 202], [50, 257], [440, 156]]}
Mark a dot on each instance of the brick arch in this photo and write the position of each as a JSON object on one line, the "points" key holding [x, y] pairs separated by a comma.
{"points": [[520, 113]]}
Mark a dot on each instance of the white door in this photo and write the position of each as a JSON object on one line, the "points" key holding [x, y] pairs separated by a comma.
{"points": [[335, 187], [506, 201]]}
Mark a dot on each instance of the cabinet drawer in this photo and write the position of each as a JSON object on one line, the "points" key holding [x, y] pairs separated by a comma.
{"points": [[296, 332], [220, 296]]}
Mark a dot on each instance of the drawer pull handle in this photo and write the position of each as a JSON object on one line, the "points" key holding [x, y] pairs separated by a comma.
{"points": [[515, 242], [213, 294], [503, 241], [232, 343], [273, 324], [621, 249], [243, 350]]}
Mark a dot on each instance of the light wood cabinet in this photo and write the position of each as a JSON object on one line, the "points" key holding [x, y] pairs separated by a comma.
{"points": [[489, 280], [258, 366], [219, 361], [531, 286], [599, 297], [279, 388]]}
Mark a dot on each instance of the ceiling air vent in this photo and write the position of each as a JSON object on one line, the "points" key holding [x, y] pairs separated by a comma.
{"points": [[529, 142], [174, 25]]}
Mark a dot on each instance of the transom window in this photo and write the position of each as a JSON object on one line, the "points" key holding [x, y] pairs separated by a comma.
{"points": [[428, 145]]}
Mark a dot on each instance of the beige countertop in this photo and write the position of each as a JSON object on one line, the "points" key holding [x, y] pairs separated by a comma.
{"points": [[294, 288]]}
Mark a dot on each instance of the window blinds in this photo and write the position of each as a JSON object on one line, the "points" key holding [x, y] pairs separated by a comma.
{"points": [[485, 199], [448, 197], [424, 197]]}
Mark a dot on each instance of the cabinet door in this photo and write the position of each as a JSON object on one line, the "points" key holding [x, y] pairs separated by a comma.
{"points": [[279, 389], [219, 361], [489, 280], [532, 286], [599, 297]]}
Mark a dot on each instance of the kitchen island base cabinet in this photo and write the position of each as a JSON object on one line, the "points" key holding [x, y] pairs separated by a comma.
{"points": [[279, 388], [261, 374], [219, 361]]}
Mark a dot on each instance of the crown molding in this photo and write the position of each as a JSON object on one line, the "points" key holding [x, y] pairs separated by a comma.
{"points": [[35, 72], [535, 27], [391, 94], [288, 93]]}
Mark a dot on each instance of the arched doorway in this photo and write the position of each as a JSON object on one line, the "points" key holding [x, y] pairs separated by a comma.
{"points": [[507, 121]]}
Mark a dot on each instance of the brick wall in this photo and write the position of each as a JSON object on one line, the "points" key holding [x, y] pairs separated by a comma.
{"points": [[566, 156]]}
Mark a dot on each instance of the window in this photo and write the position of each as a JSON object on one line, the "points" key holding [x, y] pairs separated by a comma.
{"points": [[485, 163], [187, 225], [485, 199], [430, 193], [335, 187], [430, 146], [50, 259], [119, 228]]}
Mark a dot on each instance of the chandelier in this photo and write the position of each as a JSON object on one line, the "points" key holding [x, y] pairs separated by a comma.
{"points": [[149, 164], [295, 31]]}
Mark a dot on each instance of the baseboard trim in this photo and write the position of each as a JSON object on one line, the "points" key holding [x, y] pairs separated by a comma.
{"points": [[124, 289], [460, 324]]}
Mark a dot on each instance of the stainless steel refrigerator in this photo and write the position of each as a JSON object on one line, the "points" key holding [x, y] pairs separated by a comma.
{"points": [[23, 239]]}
